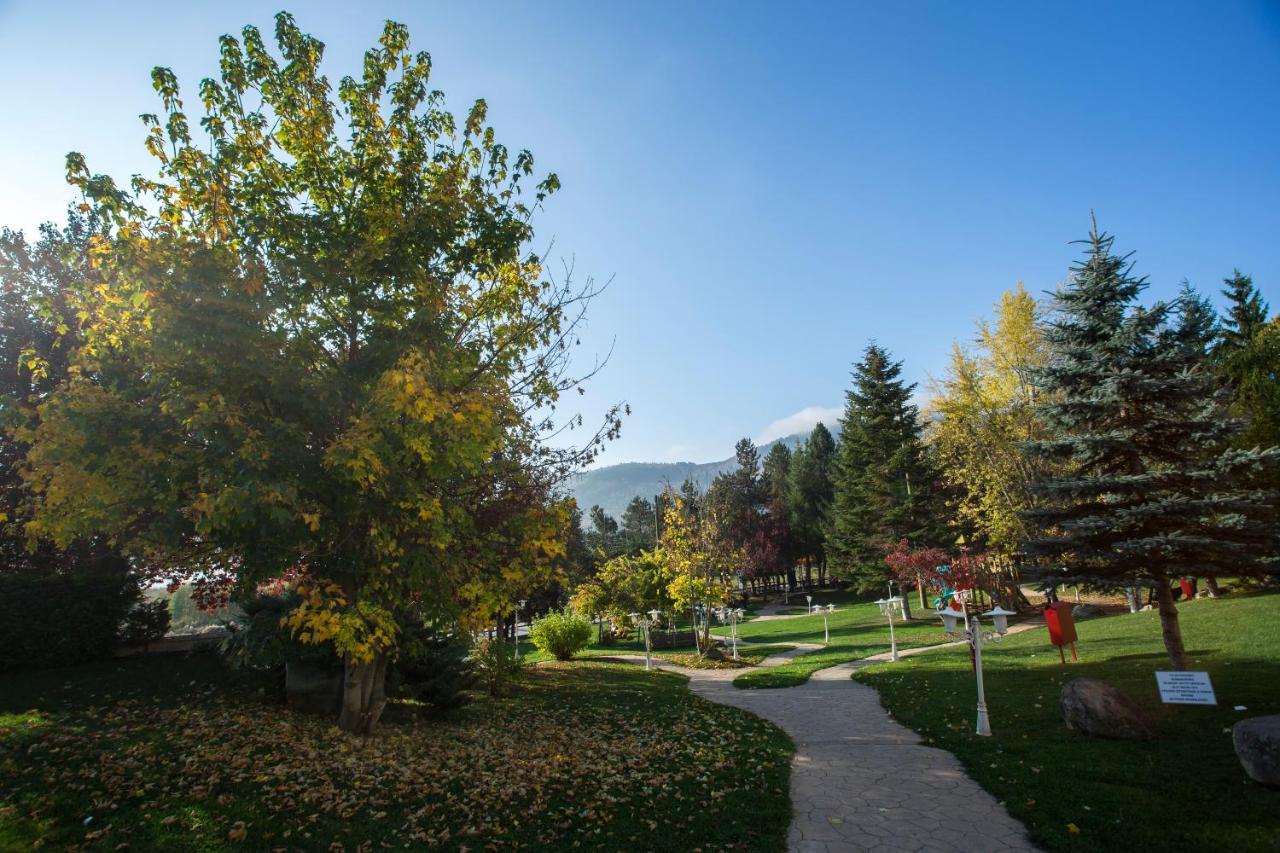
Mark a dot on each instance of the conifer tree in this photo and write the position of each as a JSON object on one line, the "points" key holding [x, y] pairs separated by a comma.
{"points": [[1147, 493], [639, 530], [809, 495], [1246, 313], [884, 484]]}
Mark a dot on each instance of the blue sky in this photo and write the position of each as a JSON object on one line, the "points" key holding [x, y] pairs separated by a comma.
{"points": [[769, 185]]}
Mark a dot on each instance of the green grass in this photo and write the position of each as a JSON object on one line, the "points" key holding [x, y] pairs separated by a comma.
{"points": [[857, 631], [169, 753], [1185, 791]]}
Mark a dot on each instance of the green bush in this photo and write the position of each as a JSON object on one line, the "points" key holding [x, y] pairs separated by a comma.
{"points": [[432, 668], [61, 618], [260, 641], [147, 622], [561, 634], [495, 664]]}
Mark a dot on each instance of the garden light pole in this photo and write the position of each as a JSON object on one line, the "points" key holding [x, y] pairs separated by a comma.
{"points": [[643, 621], [826, 631], [515, 627], [809, 598], [975, 636], [886, 606]]}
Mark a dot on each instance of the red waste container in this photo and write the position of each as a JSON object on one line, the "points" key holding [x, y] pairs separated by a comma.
{"points": [[1188, 588], [1062, 628]]}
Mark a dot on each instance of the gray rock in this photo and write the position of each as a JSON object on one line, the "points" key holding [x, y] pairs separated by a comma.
{"points": [[1093, 707], [1257, 742], [312, 688], [1086, 611]]}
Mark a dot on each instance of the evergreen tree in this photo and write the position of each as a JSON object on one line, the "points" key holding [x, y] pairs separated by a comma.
{"points": [[1248, 354], [1147, 492], [602, 537], [777, 467], [885, 488], [639, 526], [735, 496], [809, 495], [1246, 313]]}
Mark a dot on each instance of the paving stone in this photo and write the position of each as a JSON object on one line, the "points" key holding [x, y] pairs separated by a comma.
{"points": [[855, 764]]}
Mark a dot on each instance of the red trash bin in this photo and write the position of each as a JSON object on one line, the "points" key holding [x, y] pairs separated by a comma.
{"points": [[1188, 588], [1062, 628]]}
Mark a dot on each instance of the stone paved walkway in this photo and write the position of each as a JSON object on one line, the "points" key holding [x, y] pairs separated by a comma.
{"points": [[859, 780]]}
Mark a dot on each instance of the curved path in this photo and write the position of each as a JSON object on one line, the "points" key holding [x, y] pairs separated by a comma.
{"points": [[859, 780]]}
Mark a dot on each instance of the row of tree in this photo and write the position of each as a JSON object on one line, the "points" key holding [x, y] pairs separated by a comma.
{"points": [[1094, 440]]}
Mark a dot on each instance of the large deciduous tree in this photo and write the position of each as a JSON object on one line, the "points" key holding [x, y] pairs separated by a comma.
{"points": [[1149, 490], [322, 349]]}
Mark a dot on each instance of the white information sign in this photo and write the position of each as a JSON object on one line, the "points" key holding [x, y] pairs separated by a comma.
{"points": [[1185, 688]]}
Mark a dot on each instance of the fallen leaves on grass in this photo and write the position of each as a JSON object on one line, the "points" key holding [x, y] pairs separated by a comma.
{"points": [[541, 771]]}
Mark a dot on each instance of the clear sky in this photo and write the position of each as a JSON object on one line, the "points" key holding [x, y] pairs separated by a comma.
{"points": [[768, 185]]}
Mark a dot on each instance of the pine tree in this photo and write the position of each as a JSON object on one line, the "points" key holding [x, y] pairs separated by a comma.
{"points": [[602, 537], [1246, 313], [639, 528], [885, 487], [1248, 355], [1147, 493], [809, 495], [777, 467]]}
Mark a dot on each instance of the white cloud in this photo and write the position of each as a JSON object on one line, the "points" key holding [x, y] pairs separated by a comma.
{"points": [[802, 421]]}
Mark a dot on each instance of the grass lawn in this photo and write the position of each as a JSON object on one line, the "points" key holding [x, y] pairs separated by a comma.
{"points": [[1183, 791], [168, 753], [857, 630]]}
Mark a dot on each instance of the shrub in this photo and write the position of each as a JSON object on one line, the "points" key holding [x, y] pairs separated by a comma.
{"points": [[495, 664], [433, 668], [561, 634], [61, 618], [147, 622], [259, 639]]}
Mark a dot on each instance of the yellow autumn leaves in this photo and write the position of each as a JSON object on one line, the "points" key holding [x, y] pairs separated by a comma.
{"points": [[363, 630]]}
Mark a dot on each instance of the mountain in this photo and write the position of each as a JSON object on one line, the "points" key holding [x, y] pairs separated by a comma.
{"points": [[613, 486]]}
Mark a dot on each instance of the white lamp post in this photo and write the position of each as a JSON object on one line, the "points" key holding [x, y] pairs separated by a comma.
{"points": [[644, 621], [826, 630], [975, 635], [887, 606], [515, 627], [809, 598]]}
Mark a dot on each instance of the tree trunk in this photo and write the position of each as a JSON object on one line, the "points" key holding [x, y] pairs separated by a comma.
{"points": [[1131, 595], [1211, 584], [920, 590], [363, 694], [906, 605], [1169, 626]]}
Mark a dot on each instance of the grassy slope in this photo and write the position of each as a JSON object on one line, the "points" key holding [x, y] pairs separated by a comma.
{"points": [[857, 630], [169, 753], [1185, 791]]}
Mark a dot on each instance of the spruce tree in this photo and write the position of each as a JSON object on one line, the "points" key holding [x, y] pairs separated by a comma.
{"points": [[1246, 313], [639, 529], [809, 495], [1149, 490], [885, 488]]}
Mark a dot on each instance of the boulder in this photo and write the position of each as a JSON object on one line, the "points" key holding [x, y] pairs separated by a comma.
{"points": [[312, 688], [1093, 707], [1085, 611], [1257, 742]]}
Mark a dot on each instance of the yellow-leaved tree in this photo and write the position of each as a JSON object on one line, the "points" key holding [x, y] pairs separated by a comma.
{"points": [[321, 349], [982, 411], [700, 563]]}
